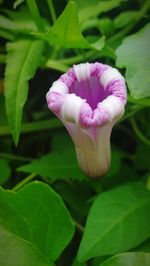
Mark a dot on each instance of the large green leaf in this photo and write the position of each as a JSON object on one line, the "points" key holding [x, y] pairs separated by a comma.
{"points": [[118, 221], [19, 252], [134, 55], [129, 259], [22, 60], [35, 225], [66, 30]]}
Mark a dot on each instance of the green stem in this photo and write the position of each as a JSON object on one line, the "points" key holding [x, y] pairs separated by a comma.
{"points": [[79, 58], [23, 182], [79, 227], [131, 113], [52, 10], [144, 102], [54, 53], [62, 64], [139, 133], [33, 127], [56, 65], [35, 14], [13, 157]]}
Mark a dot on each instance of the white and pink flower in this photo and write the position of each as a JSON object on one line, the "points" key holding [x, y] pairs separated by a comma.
{"points": [[89, 99]]}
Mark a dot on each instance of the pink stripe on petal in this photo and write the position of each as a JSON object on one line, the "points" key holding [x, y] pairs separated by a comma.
{"points": [[89, 118], [117, 88], [68, 78], [54, 101], [97, 69]]}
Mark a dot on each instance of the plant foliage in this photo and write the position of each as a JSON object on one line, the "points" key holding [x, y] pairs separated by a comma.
{"points": [[51, 213]]}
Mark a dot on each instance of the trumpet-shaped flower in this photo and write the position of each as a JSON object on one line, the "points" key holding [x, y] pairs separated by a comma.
{"points": [[89, 99]]}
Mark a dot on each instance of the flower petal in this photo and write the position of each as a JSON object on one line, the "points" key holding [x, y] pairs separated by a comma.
{"points": [[110, 74], [82, 71], [71, 106], [113, 107]]}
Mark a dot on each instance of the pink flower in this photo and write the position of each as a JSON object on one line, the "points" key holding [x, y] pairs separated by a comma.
{"points": [[89, 99]]}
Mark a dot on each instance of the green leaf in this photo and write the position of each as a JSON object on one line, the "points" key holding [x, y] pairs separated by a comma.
{"points": [[106, 26], [75, 196], [3, 117], [125, 18], [76, 263], [59, 164], [19, 251], [5, 34], [129, 259], [22, 20], [35, 225], [22, 60], [34, 11], [55, 165], [99, 44], [17, 3], [85, 3], [6, 23], [142, 157], [115, 221], [18, 21], [97, 261], [115, 164], [66, 30], [61, 140], [134, 55], [96, 9], [116, 172], [144, 247], [5, 171]]}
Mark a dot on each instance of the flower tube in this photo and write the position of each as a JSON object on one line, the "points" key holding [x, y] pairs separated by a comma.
{"points": [[89, 99]]}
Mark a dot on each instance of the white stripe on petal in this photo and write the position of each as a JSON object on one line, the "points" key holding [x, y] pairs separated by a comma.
{"points": [[59, 87], [110, 75], [82, 71], [71, 108], [113, 106]]}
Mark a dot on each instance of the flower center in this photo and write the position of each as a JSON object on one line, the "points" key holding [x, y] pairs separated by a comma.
{"points": [[91, 90]]}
